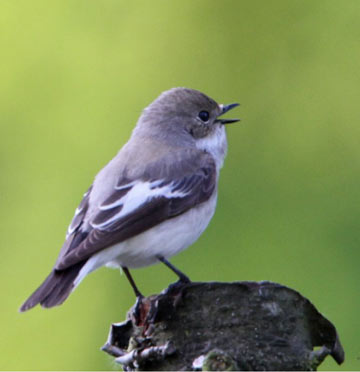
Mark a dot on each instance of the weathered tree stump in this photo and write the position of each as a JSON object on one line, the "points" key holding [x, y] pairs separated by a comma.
{"points": [[224, 326]]}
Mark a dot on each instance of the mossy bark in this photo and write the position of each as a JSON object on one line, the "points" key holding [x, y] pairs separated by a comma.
{"points": [[224, 326]]}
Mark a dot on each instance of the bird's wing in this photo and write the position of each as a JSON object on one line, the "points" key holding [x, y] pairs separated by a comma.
{"points": [[76, 233], [136, 206]]}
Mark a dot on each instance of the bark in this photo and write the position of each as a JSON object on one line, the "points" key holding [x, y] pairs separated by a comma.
{"points": [[224, 326]]}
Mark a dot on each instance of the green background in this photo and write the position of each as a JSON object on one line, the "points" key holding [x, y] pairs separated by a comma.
{"points": [[74, 78]]}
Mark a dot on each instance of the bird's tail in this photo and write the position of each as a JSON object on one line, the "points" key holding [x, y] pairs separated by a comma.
{"points": [[55, 289]]}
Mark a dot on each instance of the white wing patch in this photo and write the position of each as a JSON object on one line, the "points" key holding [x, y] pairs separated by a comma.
{"points": [[74, 223], [71, 228], [139, 194], [120, 201]]}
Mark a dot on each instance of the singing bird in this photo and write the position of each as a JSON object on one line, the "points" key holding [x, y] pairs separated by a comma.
{"points": [[151, 201]]}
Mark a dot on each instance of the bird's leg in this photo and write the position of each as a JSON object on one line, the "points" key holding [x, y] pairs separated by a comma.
{"points": [[131, 280], [183, 278], [137, 312]]}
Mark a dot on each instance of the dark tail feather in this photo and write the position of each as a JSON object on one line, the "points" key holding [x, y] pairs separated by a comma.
{"points": [[55, 289]]}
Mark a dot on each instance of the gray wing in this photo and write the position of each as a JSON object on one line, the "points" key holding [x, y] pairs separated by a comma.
{"points": [[75, 233], [136, 206]]}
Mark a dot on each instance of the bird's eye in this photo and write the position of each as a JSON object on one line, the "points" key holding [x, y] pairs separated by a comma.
{"points": [[204, 115]]}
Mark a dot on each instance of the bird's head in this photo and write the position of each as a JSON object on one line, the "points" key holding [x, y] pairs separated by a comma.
{"points": [[184, 113]]}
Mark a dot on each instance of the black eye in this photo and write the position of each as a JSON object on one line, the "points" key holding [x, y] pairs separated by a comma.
{"points": [[204, 115]]}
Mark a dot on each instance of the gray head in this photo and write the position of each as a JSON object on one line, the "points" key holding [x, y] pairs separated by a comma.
{"points": [[184, 113]]}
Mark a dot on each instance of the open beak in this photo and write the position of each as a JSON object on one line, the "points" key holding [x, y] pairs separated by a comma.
{"points": [[224, 109]]}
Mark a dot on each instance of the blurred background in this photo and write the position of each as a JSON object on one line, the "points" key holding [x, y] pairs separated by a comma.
{"points": [[75, 75]]}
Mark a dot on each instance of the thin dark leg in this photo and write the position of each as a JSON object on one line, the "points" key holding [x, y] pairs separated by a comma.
{"points": [[183, 278], [131, 280]]}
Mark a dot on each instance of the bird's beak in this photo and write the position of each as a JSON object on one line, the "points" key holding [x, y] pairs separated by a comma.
{"points": [[224, 109]]}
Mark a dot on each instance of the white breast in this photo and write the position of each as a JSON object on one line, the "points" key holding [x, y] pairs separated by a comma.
{"points": [[169, 237], [215, 144], [166, 239]]}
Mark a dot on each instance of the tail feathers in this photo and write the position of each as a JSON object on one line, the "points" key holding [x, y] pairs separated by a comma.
{"points": [[55, 289]]}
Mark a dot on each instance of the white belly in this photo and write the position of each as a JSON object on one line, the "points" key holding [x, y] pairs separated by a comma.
{"points": [[166, 239]]}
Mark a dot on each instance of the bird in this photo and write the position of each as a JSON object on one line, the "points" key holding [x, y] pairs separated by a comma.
{"points": [[151, 201]]}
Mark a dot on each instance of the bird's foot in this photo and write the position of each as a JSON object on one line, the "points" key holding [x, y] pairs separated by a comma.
{"points": [[138, 309]]}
